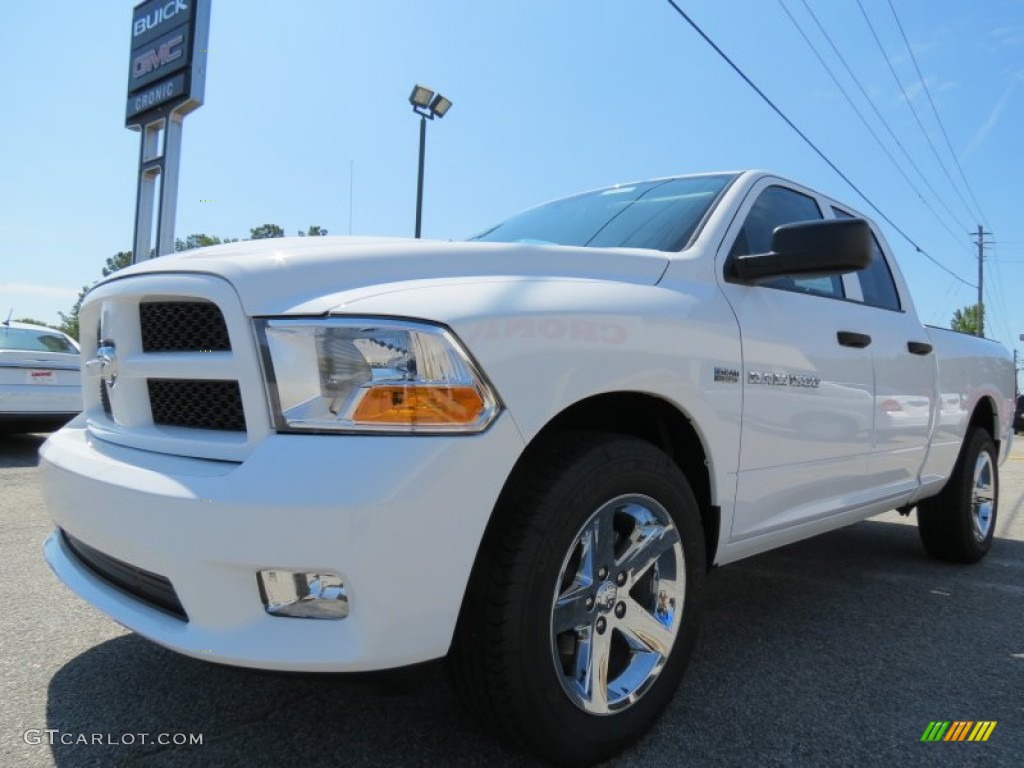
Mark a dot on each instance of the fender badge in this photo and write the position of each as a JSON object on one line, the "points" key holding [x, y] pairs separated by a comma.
{"points": [[774, 379], [727, 375]]}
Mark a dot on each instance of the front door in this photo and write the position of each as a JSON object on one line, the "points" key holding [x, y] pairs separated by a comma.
{"points": [[808, 393]]}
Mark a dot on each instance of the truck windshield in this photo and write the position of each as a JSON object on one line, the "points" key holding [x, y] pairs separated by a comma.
{"points": [[662, 215]]}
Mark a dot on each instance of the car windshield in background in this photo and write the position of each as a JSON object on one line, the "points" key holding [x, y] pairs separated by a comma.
{"points": [[662, 215], [27, 340]]}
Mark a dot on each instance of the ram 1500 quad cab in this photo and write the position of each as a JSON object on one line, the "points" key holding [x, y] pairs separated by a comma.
{"points": [[522, 452]]}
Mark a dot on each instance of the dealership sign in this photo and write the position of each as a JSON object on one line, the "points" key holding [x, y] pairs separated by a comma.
{"points": [[166, 80], [167, 66]]}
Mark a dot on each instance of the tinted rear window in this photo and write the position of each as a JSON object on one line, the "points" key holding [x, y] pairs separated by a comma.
{"points": [[876, 281]]}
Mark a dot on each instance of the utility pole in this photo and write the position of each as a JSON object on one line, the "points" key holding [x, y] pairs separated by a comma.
{"points": [[1017, 370], [981, 278]]}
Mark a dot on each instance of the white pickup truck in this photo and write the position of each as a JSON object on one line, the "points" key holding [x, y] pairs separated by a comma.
{"points": [[522, 452]]}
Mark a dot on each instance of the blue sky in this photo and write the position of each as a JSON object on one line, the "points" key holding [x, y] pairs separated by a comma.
{"points": [[549, 98]]}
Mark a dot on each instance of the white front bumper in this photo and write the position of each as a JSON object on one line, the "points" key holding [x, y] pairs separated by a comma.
{"points": [[400, 518]]}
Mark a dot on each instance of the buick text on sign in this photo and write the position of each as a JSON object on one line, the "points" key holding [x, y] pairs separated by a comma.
{"points": [[156, 18]]}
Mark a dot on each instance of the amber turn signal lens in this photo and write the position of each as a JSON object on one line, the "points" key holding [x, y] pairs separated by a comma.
{"points": [[419, 405]]}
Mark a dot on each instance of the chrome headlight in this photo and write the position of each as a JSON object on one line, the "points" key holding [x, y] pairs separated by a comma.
{"points": [[339, 374]]}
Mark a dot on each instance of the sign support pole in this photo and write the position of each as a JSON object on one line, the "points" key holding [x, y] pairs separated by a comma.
{"points": [[169, 184], [148, 175], [158, 172], [167, 76]]}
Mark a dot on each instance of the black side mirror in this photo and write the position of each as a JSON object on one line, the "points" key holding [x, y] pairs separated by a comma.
{"points": [[810, 249]]}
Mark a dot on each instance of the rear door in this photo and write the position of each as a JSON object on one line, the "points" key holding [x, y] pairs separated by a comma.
{"points": [[808, 395], [906, 403]]}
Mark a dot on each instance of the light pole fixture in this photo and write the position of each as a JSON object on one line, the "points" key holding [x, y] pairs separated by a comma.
{"points": [[427, 105]]}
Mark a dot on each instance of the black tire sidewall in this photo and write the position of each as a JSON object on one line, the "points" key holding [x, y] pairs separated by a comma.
{"points": [[946, 521], [598, 477], [980, 442]]}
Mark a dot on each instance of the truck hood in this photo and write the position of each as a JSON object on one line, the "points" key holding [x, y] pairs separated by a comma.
{"points": [[311, 275]]}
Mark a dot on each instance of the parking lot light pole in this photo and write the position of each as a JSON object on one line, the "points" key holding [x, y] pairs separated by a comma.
{"points": [[427, 105]]}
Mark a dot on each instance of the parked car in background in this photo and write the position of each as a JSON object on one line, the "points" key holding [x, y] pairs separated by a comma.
{"points": [[40, 381]]}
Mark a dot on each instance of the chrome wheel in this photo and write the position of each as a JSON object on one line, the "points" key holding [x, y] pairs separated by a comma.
{"points": [[618, 604], [983, 496]]}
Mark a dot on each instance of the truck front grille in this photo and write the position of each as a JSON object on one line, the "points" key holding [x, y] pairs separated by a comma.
{"points": [[151, 588], [182, 326], [188, 376], [197, 403]]}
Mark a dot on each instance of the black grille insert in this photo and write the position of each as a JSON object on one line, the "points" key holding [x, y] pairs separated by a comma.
{"points": [[197, 403], [105, 400], [150, 588], [182, 326], [104, 394]]}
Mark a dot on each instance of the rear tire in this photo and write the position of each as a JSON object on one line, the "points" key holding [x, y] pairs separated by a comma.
{"points": [[959, 524], [583, 606]]}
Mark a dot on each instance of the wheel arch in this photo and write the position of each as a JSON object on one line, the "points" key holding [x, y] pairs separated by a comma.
{"points": [[985, 416], [659, 422], [648, 417]]}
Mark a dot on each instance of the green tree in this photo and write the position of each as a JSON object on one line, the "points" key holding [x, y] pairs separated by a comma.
{"points": [[32, 321], [69, 322], [197, 241], [967, 320], [313, 231], [264, 231], [119, 260]]}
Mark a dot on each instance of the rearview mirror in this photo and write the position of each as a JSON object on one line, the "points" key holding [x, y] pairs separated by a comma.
{"points": [[810, 249]]}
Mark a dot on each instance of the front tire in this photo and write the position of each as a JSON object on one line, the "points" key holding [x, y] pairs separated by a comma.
{"points": [[958, 524], [583, 607]]}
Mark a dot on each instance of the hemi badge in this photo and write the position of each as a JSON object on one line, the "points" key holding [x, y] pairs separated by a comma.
{"points": [[727, 375]]}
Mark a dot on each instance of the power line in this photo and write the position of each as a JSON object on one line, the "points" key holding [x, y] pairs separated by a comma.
{"points": [[999, 306], [950, 287], [951, 301], [913, 111], [1004, 328], [811, 144], [867, 125], [935, 111], [878, 114], [1004, 313], [1000, 294]]}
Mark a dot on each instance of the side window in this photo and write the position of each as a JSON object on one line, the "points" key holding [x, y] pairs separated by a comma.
{"points": [[774, 207], [876, 283]]}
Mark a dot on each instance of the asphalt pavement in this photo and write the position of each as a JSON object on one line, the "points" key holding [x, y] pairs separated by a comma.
{"points": [[837, 651]]}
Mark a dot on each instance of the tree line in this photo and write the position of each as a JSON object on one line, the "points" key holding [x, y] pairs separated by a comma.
{"points": [[69, 320], [965, 320]]}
